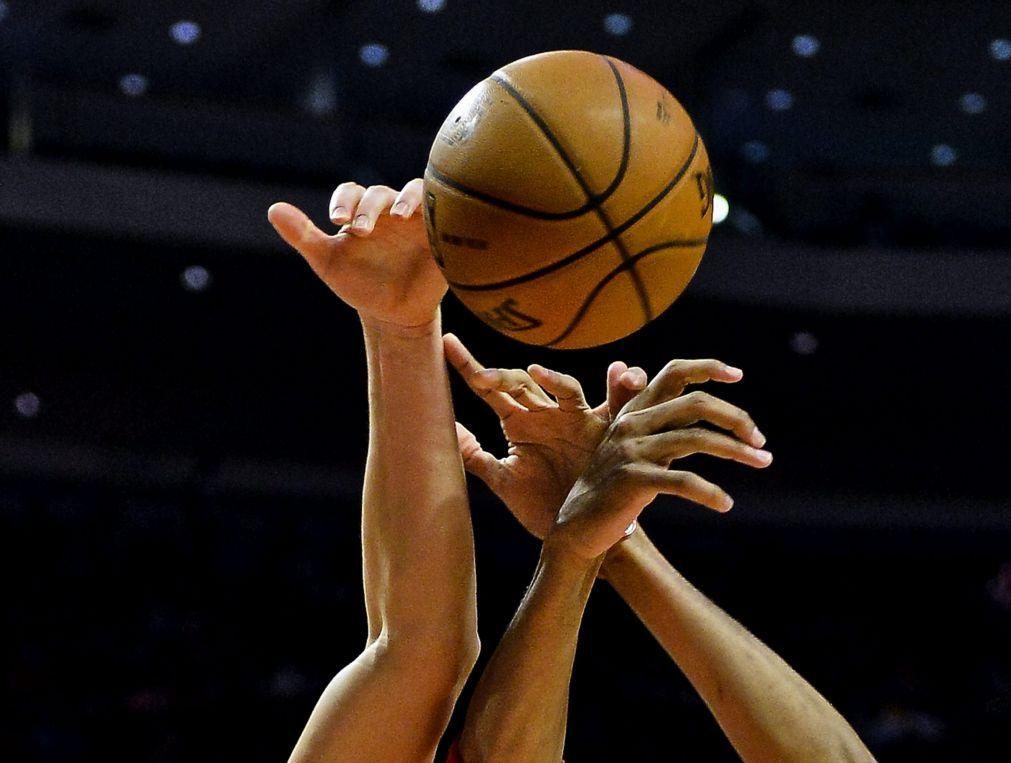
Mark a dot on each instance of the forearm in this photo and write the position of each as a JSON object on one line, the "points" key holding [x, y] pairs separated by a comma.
{"points": [[416, 530], [767, 710], [520, 706]]}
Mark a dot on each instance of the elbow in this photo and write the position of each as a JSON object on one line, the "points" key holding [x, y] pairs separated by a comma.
{"points": [[448, 656]]}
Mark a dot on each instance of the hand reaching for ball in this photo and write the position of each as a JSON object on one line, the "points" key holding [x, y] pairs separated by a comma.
{"points": [[555, 438], [378, 262], [631, 465]]}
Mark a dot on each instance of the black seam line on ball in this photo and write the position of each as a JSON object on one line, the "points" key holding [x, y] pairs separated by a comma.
{"points": [[627, 265], [595, 199], [535, 274], [548, 133]]}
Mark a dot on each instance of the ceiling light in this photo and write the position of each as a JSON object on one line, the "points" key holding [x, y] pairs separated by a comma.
{"points": [[1001, 49], [133, 84], [779, 99], [972, 103], [431, 6], [804, 343], [373, 54], [805, 45], [185, 32], [755, 151], [617, 24], [721, 208], [195, 278], [943, 155], [27, 405]]}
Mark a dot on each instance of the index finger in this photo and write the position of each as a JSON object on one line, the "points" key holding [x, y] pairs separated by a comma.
{"points": [[467, 366], [677, 375]]}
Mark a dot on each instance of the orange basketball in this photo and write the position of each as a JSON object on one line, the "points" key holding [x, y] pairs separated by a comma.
{"points": [[568, 199]]}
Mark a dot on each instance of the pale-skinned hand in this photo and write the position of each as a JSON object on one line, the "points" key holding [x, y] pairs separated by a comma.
{"points": [[379, 261]]}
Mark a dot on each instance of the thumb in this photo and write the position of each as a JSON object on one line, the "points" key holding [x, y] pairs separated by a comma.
{"points": [[299, 232], [476, 460]]}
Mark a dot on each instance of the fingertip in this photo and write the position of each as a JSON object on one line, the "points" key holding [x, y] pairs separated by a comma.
{"points": [[732, 373]]}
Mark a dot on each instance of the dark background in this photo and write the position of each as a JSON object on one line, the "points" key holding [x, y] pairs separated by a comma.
{"points": [[182, 405]]}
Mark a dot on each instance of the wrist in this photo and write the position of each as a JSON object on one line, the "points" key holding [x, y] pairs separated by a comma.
{"points": [[625, 553], [378, 328]]}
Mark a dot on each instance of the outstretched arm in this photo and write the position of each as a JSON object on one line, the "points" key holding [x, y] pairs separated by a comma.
{"points": [[766, 709], [394, 700], [519, 707]]}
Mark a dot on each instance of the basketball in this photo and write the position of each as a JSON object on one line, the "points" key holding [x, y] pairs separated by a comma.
{"points": [[568, 199]]}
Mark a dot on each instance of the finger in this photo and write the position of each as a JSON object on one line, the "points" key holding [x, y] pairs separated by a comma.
{"points": [[471, 371], [623, 383], [665, 447], [476, 460], [295, 227], [376, 200], [518, 384], [701, 406], [689, 486], [344, 201], [408, 200], [567, 390], [678, 374]]}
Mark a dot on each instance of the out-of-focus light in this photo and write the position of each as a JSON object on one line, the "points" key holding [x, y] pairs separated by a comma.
{"points": [[27, 405], [1001, 49], [195, 278], [804, 343], [374, 54], [755, 151], [618, 24], [133, 84], [972, 103], [805, 45], [779, 99], [721, 208], [745, 222], [943, 155], [3, 10], [185, 32], [321, 98], [431, 6]]}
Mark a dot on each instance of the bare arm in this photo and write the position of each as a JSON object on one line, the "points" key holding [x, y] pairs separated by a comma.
{"points": [[766, 709], [519, 709], [394, 700], [768, 712], [520, 706]]}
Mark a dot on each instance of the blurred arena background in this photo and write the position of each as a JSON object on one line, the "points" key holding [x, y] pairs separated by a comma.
{"points": [[182, 405]]}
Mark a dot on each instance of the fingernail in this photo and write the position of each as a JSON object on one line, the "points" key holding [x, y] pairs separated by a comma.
{"points": [[762, 455], [733, 371], [727, 504], [757, 438], [400, 209], [361, 222], [339, 214]]}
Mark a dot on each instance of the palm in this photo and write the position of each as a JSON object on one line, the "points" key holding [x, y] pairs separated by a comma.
{"points": [[385, 270], [548, 448], [390, 276]]}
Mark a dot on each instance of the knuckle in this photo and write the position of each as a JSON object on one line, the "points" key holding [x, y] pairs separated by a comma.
{"points": [[347, 185], [696, 400]]}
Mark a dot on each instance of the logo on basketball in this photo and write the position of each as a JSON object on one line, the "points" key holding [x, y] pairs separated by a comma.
{"points": [[508, 317]]}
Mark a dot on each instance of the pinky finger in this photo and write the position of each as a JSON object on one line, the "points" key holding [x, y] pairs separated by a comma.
{"points": [[691, 487], [408, 200]]}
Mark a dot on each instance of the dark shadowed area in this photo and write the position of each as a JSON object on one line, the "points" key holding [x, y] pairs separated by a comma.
{"points": [[182, 404]]}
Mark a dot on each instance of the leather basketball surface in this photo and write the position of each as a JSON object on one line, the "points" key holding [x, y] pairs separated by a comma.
{"points": [[568, 199]]}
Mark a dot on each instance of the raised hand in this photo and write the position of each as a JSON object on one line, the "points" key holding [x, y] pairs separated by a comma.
{"points": [[379, 261], [631, 465], [552, 437]]}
